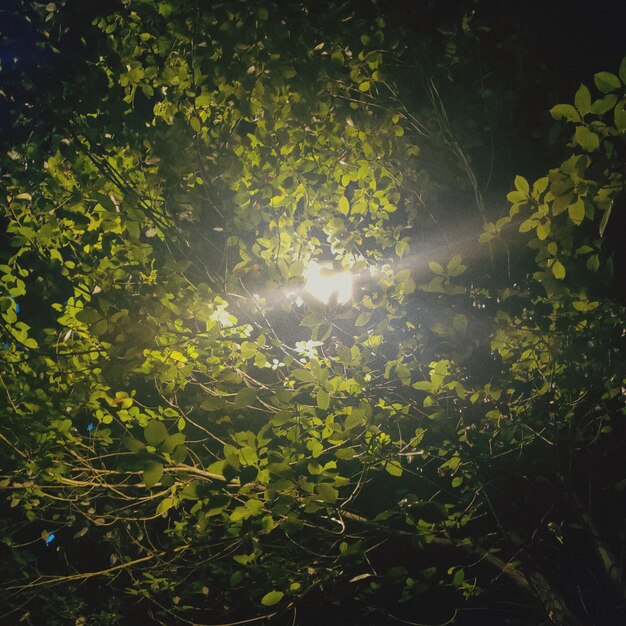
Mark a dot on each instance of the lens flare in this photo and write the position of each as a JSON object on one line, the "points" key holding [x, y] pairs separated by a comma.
{"points": [[322, 282]]}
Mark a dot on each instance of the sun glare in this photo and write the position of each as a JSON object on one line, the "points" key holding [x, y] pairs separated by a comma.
{"points": [[323, 282]]}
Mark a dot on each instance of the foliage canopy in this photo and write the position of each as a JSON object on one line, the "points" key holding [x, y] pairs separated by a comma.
{"points": [[177, 425]]}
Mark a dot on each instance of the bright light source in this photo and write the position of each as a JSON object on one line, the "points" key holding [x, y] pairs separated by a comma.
{"points": [[323, 282]]}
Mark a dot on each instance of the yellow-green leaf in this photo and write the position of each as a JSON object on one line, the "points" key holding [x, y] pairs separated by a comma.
{"points": [[521, 184], [576, 211], [565, 111], [323, 399], [558, 269], [582, 100], [394, 468], [606, 81], [619, 114], [272, 598], [586, 139]]}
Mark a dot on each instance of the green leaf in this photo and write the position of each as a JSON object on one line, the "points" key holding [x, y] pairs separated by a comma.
{"points": [[539, 186], [527, 225], [543, 230], [402, 247], [620, 115], [245, 397], [295, 270], [363, 319], [368, 151], [515, 196], [345, 454], [134, 445], [586, 139], [355, 418], [582, 100], [315, 469], [203, 100], [244, 559], [171, 442], [435, 267], [327, 493], [304, 376], [155, 432], [593, 263], [565, 111], [152, 473], [88, 316], [272, 598], [31, 343], [606, 81], [213, 403], [560, 203], [521, 184], [602, 105], [344, 205], [576, 211], [165, 505], [394, 468], [459, 578], [423, 385], [558, 269], [323, 399], [404, 373]]}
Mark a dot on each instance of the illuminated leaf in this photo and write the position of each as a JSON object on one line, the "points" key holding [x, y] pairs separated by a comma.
{"points": [[323, 399], [565, 111], [606, 82], [558, 269], [582, 100], [586, 139], [576, 211], [272, 598]]}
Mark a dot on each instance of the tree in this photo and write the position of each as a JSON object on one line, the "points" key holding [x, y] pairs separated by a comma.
{"points": [[179, 425]]}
